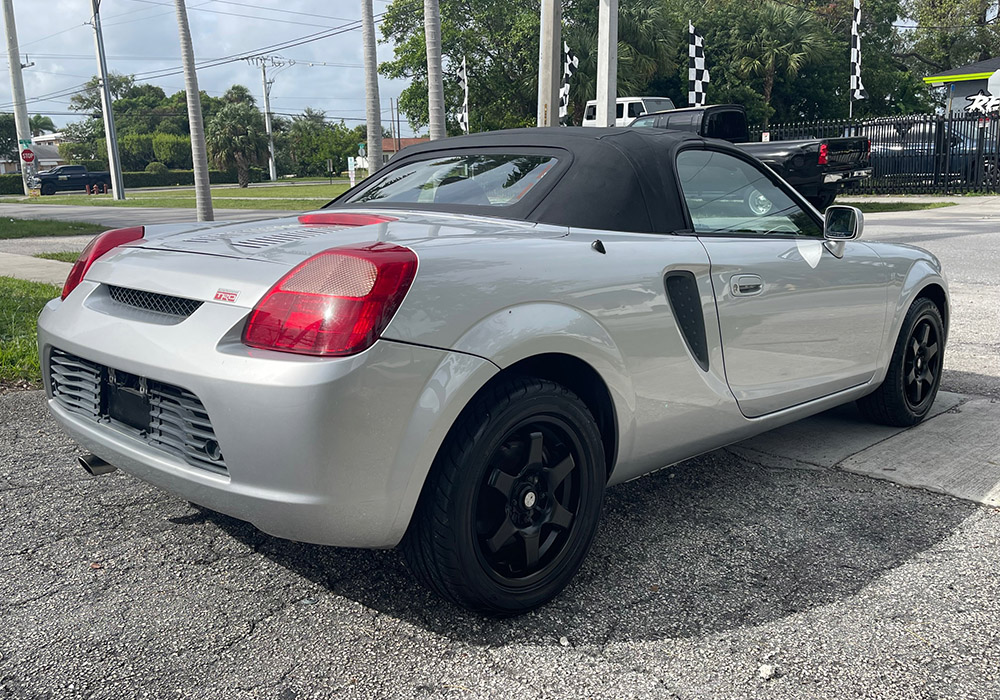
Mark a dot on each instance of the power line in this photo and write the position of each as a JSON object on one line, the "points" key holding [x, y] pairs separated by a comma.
{"points": [[237, 14]]}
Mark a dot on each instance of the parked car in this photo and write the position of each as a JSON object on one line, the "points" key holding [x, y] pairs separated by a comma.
{"points": [[939, 151], [461, 353], [818, 168], [627, 109], [70, 177]]}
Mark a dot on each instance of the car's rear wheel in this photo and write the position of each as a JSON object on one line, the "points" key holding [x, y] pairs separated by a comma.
{"points": [[822, 200], [906, 395], [511, 505]]}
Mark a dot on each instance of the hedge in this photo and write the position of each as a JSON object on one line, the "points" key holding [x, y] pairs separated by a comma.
{"points": [[11, 183]]}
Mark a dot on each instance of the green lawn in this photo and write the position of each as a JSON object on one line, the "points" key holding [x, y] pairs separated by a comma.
{"points": [[872, 207], [62, 255], [20, 304], [34, 228], [292, 198]]}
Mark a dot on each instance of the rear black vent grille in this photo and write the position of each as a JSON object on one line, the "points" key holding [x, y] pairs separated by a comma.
{"points": [[178, 423], [175, 307], [685, 302]]}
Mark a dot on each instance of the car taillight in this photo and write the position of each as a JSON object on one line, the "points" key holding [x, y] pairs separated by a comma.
{"points": [[104, 243], [337, 302], [822, 154], [343, 218]]}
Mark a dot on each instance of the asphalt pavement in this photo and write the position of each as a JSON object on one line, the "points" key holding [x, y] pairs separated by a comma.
{"points": [[776, 568]]}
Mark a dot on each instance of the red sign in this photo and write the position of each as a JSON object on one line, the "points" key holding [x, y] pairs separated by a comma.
{"points": [[226, 295], [27, 155]]}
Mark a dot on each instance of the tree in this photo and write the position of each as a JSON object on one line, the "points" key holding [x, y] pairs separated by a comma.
{"points": [[41, 125], [88, 100], [237, 138], [8, 138], [373, 110], [239, 94], [435, 83], [781, 41], [951, 33]]}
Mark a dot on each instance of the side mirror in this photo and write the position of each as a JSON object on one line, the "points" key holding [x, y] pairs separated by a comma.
{"points": [[843, 223]]}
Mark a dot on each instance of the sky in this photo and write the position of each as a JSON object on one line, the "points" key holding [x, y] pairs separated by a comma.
{"points": [[140, 37]]}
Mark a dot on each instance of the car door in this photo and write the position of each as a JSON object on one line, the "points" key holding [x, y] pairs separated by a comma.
{"points": [[797, 322]]}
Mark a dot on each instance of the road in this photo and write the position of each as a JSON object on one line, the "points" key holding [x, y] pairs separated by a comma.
{"points": [[772, 569]]}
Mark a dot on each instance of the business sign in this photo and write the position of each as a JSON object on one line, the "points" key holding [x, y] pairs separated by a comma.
{"points": [[986, 101]]}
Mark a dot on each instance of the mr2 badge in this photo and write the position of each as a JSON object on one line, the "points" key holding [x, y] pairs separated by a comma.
{"points": [[227, 295]]}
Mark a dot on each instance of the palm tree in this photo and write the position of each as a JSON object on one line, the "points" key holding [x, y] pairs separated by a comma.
{"points": [[373, 114], [239, 94], [783, 40], [435, 83], [199, 153], [237, 138], [41, 125]]}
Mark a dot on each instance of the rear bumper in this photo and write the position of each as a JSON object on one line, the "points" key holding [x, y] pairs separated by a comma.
{"points": [[847, 176], [329, 451]]}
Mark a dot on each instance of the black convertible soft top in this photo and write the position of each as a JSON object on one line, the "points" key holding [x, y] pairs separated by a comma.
{"points": [[617, 179]]}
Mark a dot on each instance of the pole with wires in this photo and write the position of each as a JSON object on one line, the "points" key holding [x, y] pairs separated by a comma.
{"points": [[21, 121], [277, 63], [199, 153], [117, 184]]}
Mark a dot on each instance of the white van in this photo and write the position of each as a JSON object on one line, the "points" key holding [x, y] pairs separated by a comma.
{"points": [[628, 109]]}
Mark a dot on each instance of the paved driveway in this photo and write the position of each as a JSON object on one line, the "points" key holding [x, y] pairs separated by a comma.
{"points": [[766, 570]]}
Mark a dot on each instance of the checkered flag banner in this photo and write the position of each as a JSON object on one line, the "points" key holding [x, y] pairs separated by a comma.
{"points": [[857, 89], [463, 81], [697, 73], [570, 63]]}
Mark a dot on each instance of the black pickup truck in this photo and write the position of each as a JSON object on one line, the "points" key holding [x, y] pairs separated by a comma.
{"points": [[818, 168], [70, 177]]}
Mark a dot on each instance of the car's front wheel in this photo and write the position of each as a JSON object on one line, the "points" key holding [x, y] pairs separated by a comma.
{"points": [[48, 189], [511, 505], [911, 383]]}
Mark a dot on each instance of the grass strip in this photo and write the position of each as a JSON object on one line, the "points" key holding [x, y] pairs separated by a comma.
{"points": [[20, 304], [38, 228]]}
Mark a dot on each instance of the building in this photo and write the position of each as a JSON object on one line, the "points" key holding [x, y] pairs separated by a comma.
{"points": [[45, 155], [974, 88], [389, 146], [53, 139]]}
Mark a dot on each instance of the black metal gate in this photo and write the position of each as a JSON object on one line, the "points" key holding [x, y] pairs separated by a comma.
{"points": [[916, 154]]}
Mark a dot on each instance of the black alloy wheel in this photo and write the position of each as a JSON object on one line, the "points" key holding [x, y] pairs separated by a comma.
{"points": [[510, 508], [911, 383]]}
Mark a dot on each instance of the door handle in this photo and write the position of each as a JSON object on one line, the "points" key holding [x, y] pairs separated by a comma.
{"points": [[746, 285]]}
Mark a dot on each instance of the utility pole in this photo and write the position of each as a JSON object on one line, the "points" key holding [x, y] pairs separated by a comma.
{"points": [[549, 53], [117, 185], [373, 107], [435, 81], [607, 62], [21, 121], [278, 63], [196, 123]]}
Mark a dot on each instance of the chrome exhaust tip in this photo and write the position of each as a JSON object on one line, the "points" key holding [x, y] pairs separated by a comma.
{"points": [[95, 466]]}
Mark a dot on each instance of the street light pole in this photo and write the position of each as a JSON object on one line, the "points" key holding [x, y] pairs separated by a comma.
{"points": [[21, 121], [549, 45], [117, 185], [607, 62], [272, 167]]}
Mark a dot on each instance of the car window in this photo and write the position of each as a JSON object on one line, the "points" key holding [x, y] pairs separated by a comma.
{"points": [[645, 121], [483, 179], [590, 112], [658, 105], [634, 109], [620, 111], [728, 195]]}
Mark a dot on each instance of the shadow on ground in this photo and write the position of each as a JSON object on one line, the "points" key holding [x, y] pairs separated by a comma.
{"points": [[713, 544]]}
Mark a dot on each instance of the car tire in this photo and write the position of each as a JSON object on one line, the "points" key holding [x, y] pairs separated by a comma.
{"points": [[757, 203], [822, 200], [907, 393], [512, 503], [48, 188]]}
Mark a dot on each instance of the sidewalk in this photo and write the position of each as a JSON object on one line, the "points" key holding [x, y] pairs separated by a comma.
{"points": [[25, 267]]}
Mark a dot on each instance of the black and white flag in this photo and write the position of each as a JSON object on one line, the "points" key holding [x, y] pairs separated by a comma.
{"points": [[857, 89], [570, 63], [463, 81], [697, 73]]}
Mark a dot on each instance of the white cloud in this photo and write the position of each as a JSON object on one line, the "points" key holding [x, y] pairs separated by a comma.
{"points": [[141, 37]]}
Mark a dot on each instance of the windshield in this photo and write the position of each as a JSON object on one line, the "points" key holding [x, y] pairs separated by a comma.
{"points": [[488, 180], [657, 105]]}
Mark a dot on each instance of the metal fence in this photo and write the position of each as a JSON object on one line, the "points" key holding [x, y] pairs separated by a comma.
{"points": [[916, 154]]}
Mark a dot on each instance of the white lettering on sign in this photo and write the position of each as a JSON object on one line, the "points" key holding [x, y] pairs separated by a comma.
{"points": [[983, 103], [227, 295]]}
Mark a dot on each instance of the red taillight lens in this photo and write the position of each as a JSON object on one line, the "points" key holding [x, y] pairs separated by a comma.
{"points": [[107, 241], [343, 218], [337, 302], [822, 154]]}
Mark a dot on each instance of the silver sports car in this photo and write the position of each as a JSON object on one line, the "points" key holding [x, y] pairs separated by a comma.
{"points": [[461, 353]]}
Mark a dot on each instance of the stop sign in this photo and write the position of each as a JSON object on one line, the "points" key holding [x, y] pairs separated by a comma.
{"points": [[27, 155]]}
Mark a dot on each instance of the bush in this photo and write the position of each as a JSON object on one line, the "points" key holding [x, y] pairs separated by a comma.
{"points": [[136, 151], [157, 168], [11, 184], [173, 150], [171, 178]]}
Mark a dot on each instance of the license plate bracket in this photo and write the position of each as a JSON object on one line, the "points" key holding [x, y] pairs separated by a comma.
{"points": [[127, 400]]}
